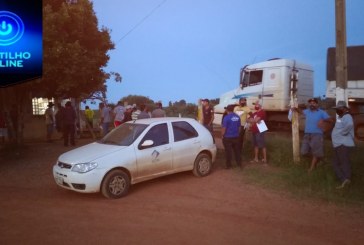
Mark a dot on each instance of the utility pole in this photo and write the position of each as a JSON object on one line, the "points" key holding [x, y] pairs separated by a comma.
{"points": [[341, 51], [295, 116]]}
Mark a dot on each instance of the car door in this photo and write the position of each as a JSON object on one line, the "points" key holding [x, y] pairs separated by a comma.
{"points": [[156, 159], [186, 145]]}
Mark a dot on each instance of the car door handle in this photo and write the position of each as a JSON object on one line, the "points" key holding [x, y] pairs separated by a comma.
{"points": [[197, 142], [167, 148]]}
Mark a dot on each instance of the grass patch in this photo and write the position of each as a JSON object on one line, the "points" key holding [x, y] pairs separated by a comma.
{"points": [[284, 175]]}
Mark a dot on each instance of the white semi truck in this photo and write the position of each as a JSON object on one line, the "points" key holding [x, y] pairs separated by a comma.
{"points": [[355, 84], [271, 82]]}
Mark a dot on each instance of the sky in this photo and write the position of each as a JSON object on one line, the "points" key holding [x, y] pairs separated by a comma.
{"points": [[169, 50]]}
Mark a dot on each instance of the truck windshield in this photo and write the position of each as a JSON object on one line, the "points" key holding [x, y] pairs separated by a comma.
{"points": [[250, 78]]}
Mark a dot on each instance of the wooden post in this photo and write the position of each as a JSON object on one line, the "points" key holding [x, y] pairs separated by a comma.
{"points": [[341, 51], [295, 117]]}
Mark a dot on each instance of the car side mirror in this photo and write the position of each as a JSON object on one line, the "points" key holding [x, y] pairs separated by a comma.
{"points": [[146, 144]]}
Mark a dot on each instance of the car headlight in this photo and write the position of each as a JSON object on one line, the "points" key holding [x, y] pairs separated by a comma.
{"points": [[84, 167]]}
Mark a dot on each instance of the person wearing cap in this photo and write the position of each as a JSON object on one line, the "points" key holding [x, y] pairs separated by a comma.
{"points": [[258, 137], [343, 141], [312, 142], [243, 111], [159, 112], [207, 114], [49, 120], [230, 136], [127, 114]]}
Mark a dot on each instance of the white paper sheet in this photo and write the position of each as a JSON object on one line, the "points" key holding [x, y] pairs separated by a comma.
{"points": [[262, 127]]}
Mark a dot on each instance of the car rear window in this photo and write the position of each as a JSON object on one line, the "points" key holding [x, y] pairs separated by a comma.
{"points": [[183, 130]]}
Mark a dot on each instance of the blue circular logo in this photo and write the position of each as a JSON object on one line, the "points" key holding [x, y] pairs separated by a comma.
{"points": [[11, 28]]}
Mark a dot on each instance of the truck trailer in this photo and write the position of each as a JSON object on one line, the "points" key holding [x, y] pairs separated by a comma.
{"points": [[355, 84]]}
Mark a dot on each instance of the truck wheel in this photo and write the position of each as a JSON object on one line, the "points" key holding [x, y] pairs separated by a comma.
{"points": [[115, 184], [203, 165]]}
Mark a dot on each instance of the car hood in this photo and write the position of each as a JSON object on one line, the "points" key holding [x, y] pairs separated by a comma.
{"points": [[88, 153]]}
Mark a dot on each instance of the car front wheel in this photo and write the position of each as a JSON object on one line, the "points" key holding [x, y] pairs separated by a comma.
{"points": [[203, 165], [116, 184]]}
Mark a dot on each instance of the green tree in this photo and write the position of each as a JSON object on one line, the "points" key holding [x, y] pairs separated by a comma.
{"points": [[74, 55], [138, 100], [181, 108], [74, 51]]}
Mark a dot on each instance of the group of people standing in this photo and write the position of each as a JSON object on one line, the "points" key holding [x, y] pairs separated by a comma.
{"points": [[121, 114], [234, 125], [64, 120], [342, 137], [117, 116], [238, 118]]}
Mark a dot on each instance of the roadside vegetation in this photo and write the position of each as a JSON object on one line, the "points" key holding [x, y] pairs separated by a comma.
{"points": [[283, 175]]}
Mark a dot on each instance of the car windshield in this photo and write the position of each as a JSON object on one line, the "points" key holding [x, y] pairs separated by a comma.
{"points": [[124, 134]]}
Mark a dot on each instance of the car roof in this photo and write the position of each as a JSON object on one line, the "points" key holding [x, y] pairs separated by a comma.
{"points": [[161, 119]]}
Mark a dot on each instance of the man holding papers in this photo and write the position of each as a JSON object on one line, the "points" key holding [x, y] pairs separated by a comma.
{"points": [[258, 128]]}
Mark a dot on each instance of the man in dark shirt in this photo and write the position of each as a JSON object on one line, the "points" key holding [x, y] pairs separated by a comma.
{"points": [[69, 123], [230, 136], [207, 114], [127, 114]]}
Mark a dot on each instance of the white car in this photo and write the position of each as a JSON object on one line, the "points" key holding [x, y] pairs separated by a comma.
{"points": [[137, 151]]}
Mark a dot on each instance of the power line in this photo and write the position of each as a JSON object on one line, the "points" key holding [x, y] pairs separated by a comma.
{"points": [[142, 20]]}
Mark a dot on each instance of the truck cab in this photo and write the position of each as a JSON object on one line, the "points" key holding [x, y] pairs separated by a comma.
{"points": [[270, 82]]}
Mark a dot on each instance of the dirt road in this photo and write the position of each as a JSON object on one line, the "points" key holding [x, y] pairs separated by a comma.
{"points": [[178, 209]]}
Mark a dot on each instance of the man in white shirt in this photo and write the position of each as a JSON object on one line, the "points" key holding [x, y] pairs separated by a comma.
{"points": [[119, 111]]}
